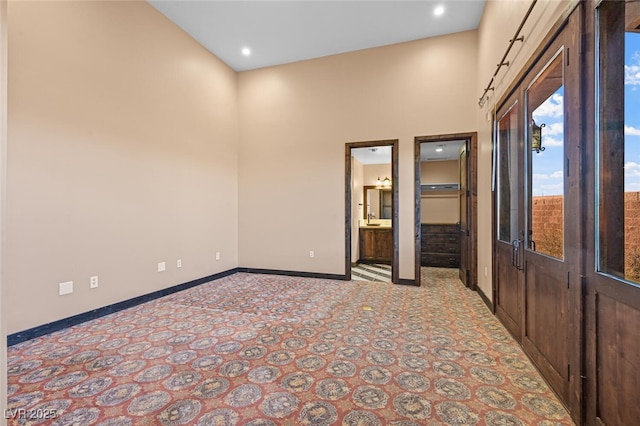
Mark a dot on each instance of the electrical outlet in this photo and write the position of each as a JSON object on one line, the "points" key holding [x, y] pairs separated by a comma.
{"points": [[217, 255], [179, 263], [162, 266], [312, 254], [65, 288], [93, 282]]}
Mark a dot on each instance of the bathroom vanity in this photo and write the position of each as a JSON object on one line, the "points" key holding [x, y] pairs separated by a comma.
{"points": [[376, 244]]}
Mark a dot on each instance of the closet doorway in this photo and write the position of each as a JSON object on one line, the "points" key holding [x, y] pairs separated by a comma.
{"points": [[445, 206]]}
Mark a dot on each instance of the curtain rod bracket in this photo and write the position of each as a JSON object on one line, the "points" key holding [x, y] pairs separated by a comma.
{"points": [[503, 61], [484, 97]]}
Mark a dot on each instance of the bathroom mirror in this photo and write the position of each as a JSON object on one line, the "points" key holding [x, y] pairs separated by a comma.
{"points": [[377, 202]]}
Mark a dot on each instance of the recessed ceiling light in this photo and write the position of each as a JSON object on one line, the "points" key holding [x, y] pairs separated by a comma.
{"points": [[439, 10], [438, 149], [246, 51]]}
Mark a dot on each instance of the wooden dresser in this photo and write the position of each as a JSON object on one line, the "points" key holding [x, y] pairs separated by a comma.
{"points": [[440, 245]]}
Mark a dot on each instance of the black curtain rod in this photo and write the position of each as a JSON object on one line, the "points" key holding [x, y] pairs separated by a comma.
{"points": [[504, 57]]}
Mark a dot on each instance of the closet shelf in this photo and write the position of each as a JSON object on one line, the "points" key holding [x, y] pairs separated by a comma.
{"points": [[436, 187]]}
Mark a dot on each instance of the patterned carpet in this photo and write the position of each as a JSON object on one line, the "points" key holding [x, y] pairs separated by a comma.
{"points": [[270, 350]]}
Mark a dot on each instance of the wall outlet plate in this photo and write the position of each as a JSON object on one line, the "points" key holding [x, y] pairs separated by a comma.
{"points": [[93, 282], [179, 263], [217, 255], [162, 266], [65, 288]]}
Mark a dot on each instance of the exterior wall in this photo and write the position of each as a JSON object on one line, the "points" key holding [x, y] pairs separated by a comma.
{"points": [[295, 120], [499, 22], [122, 153], [632, 235], [547, 224], [547, 218]]}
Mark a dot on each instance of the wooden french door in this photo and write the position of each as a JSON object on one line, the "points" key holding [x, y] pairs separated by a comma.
{"points": [[537, 199], [509, 279]]}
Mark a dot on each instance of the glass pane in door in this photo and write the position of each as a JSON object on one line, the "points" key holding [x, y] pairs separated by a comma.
{"points": [[507, 176], [545, 154], [632, 154], [618, 137]]}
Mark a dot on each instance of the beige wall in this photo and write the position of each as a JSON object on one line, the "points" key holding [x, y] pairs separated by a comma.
{"points": [[374, 171], [295, 120], [441, 206], [498, 25], [439, 172], [122, 153]]}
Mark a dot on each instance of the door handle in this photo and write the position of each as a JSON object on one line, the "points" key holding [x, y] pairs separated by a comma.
{"points": [[532, 243], [516, 254]]}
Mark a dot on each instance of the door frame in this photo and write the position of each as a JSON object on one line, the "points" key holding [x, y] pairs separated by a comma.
{"points": [[472, 201], [395, 270], [609, 300]]}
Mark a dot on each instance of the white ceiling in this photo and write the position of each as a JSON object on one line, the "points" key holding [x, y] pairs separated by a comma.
{"points": [[429, 151], [279, 32], [450, 150], [374, 155]]}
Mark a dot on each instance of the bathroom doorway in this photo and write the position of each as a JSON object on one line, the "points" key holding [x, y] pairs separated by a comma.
{"points": [[371, 211], [445, 205]]}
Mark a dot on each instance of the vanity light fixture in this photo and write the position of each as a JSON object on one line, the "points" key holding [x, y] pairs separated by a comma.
{"points": [[385, 183], [438, 11]]}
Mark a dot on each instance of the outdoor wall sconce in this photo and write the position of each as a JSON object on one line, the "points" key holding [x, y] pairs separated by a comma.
{"points": [[536, 137]]}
